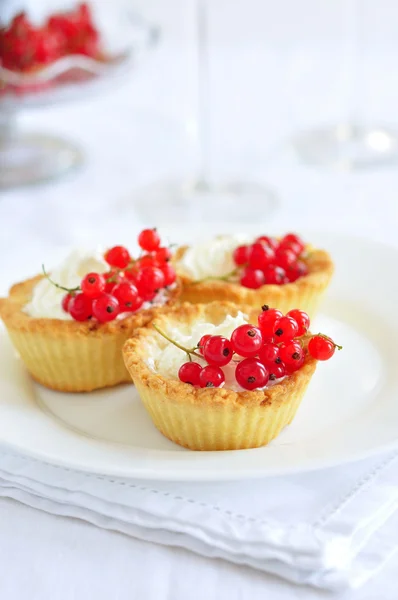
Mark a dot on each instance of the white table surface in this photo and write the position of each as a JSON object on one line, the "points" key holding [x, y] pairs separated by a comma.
{"points": [[275, 69]]}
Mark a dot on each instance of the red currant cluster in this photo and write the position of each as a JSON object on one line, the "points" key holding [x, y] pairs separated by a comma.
{"points": [[266, 352], [128, 284], [25, 47], [268, 261]]}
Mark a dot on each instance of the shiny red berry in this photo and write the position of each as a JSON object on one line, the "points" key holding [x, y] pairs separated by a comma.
{"points": [[105, 308], [291, 354], [285, 329], [276, 370], [189, 372], [299, 269], [274, 275], [149, 240], [150, 279], [321, 347], [203, 341], [302, 320], [293, 241], [148, 260], [217, 350], [251, 374], [162, 255], [285, 259], [252, 278], [118, 256], [268, 354], [81, 307], [268, 241], [169, 273], [93, 285], [66, 301], [126, 294], [267, 319], [241, 255], [211, 376], [246, 340], [260, 256]]}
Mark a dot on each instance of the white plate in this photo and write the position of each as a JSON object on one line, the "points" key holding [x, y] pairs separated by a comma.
{"points": [[350, 410]]}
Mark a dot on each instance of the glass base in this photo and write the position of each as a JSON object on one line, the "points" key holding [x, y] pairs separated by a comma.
{"points": [[348, 146], [200, 201], [28, 158]]}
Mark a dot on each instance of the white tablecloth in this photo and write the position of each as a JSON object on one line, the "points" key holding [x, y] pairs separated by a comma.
{"points": [[267, 82]]}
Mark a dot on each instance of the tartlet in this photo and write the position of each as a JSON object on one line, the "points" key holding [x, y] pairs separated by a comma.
{"points": [[68, 355], [209, 418], [305, 293]]}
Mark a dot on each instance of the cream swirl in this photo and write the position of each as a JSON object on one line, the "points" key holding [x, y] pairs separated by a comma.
{"points": [[212, 258], [46, 301]]}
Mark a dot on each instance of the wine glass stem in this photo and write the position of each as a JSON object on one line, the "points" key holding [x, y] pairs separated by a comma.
{"points": [[203, 87], [355, 34]]}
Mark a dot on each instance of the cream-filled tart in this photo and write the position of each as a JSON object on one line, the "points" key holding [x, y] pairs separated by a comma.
{"points": [[69, 327], [286, 273], [211, 380]]}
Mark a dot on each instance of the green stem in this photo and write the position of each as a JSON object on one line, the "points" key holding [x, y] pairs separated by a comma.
{"points": [[189, 351], [57, 285]]}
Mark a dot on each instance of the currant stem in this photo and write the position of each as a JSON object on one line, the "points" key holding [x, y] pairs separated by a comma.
{"points": [[57, 285], [326, 337], [219, 278], [189, 351]]}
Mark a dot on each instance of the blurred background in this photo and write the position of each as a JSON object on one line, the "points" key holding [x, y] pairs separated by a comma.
{"points": [[196, 116]]}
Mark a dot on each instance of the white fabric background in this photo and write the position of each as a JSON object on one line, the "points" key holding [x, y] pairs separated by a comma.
{"points": [[276, 68]]}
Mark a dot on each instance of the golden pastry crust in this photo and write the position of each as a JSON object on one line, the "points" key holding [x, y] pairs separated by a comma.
{"points": [[68, 355], [305, 293], [180, 410]]}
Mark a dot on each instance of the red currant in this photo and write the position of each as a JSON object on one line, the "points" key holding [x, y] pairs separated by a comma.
{"points": [[147, 295], [150, 279], [126, 294], [302, 320], [293, 241], [162, 255], [202, 342], [148, 260], [241, 255], [276, 371], [217, 350], [274, 275], [268, 354], [105, 308], [291, 354], [93, 285], [252, 278], [246, 340], [211, 376], [297, 270], [66, 301], [268, 241], [267, 319], [285, 258], [260, 256], [251, 374], [189, 372], [149, 240], [118, 256], [169, 274], [285, 329], [321, 347], [81, 307]]}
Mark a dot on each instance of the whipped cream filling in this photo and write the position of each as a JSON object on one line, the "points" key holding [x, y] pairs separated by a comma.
{"points": [[212, 258], [46, 301], [166, 359]]}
